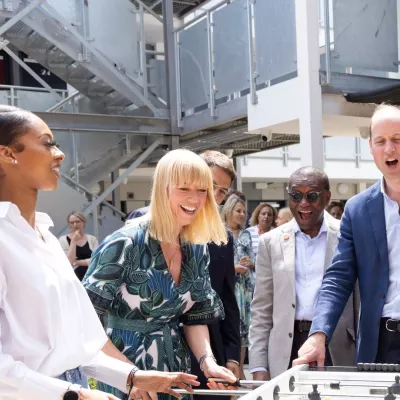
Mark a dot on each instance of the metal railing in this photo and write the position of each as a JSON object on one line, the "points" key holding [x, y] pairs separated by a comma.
{"points": [[71, 182], [14, 89], [91, 197], [208, 16], [330, 56]]}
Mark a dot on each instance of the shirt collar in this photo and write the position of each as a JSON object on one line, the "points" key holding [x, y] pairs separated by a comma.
{"points": [[324, 228], [12, 212], [383, 186]]}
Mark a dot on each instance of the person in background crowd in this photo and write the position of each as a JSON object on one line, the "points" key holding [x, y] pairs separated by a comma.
{"points": [[234, 192], [234, 216], [138, 213], [50, 333], [224, 335], [336, 209], [78, 245], [261, 221], [284, 216], [368, 251], [290, 267], [152, 275]]}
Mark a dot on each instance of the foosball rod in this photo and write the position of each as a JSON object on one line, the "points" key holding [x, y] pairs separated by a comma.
{"points": [[216, 392], [338, 385], [283, 395]]}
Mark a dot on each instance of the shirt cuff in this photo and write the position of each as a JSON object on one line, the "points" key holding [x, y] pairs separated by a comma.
{"points": [[109, 370], [38, 387], [258, 369]]}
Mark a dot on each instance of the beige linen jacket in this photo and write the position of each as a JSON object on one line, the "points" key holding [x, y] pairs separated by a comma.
{"points": [[274, 303]]}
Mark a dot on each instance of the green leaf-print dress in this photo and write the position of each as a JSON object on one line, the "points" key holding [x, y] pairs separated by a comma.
{"points": [[128, 280]]}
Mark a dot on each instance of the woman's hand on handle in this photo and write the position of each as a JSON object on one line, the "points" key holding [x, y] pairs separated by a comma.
{"points": [[213, 370], [163, 382]]}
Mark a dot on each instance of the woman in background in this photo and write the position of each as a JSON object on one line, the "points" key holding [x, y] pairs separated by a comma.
{"points": [[78, 245], [284, 216], [261, 221], [234, 216]]}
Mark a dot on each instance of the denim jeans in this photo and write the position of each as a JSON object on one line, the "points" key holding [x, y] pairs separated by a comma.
{"points": [[75, 376]]}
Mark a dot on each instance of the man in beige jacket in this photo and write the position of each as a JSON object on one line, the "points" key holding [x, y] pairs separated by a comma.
{"points": [[291, 263]]}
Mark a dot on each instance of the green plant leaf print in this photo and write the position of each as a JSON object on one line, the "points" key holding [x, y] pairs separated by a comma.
{"points": [[157, 298], [145, 307], [119, 343], [108, 272], [113, 253], [144, 291]]}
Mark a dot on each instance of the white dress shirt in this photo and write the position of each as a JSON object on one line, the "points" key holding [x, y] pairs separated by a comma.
{"points": [[309, 270], [47, 322], [391, 308]]}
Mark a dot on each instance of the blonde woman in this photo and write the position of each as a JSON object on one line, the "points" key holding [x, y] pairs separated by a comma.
{"points": [[152, 275], [284, 216], [261, 221], [234, 216], [78, 245]]}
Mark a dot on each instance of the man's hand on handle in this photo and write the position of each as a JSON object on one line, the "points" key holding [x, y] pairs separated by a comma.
{"points": [[312, 351]]}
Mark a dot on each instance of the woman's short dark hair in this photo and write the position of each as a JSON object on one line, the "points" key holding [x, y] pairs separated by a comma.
{"points": [[14, 123]]}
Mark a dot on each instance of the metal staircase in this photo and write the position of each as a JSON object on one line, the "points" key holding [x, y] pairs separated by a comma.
{"points": [[68, 38]]}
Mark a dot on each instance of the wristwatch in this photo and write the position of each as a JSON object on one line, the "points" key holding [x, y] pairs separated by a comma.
{"points": [[72, 393]]}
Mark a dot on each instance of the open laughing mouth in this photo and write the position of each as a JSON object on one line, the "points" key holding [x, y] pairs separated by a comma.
{"points": [[305, 215], [57, 172], [188, 210], [391, 162]]}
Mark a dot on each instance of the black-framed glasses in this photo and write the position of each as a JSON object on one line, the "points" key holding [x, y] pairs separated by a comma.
{"points": [[223, 191], [311, 197]]}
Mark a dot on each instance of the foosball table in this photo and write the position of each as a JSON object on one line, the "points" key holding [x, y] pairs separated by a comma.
{"points": [[366, 381]]}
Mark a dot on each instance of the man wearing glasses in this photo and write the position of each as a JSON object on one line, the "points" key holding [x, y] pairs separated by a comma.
{"points": [[290, 266], [224, 335]]}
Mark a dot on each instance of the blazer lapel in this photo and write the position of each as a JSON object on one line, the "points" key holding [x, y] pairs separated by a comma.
{"points": [[377, 215], [287, 241], [331, 241]]}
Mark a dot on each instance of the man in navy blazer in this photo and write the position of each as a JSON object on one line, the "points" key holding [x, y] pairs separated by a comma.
{"points": [[368, 250]]}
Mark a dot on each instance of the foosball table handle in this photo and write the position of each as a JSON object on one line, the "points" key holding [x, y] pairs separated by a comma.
{"points": [[378, 367]]}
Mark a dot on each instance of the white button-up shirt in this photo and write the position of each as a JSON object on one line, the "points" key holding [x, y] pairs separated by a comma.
{"points": [[391, 309], [309, 270], [47, 322]]}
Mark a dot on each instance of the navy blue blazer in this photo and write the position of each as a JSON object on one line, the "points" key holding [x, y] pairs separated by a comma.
{"points": [[361, 253]]}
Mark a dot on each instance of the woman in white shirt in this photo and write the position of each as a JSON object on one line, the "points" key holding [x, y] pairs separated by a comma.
{"points": [[49, 331]]}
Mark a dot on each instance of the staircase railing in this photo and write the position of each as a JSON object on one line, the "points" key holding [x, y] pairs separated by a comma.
{"points": [[94, 210]]}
